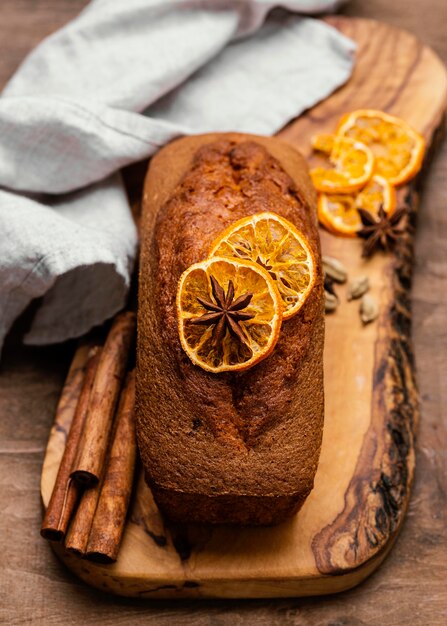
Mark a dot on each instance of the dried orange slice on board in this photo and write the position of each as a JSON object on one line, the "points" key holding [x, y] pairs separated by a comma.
{"points": [[398, 149], [276, 245], [339, 212], [352, 164], [229, 314]]}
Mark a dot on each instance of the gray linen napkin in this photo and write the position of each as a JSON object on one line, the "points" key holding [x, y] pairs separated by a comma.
{"points": [[110, 88]]}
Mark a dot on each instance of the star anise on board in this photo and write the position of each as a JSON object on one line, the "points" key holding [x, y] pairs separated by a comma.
{"points": [[225, 312], [381, 232]]}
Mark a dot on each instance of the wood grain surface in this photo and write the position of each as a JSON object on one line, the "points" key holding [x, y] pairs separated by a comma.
{"points": [[410, 586]]}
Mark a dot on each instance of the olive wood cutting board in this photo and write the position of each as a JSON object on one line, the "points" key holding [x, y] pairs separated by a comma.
{"points": [[362, 487]]}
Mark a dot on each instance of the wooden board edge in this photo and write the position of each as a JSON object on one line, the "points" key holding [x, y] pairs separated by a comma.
{"points": [[216, 587], [355, 536]]}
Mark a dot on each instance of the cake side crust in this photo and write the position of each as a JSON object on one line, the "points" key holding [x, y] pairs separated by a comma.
{"points": [[225, 437]]}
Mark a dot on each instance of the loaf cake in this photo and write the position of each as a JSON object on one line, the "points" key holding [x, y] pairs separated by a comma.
{"points": [[234, 447]]}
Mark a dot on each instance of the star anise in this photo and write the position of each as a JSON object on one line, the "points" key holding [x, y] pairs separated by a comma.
{"points": [[225, 312], [382, 232]]}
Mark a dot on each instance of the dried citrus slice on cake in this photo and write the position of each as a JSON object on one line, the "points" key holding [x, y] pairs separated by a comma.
{"points": [[398, 149], [277, 245], [229, 314], [339, 214], [352, 162]]}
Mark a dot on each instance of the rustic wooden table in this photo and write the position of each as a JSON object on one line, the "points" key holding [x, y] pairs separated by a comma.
{"points": [[409, 588]]}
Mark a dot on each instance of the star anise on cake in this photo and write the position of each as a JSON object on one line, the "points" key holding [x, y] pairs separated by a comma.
{"points": [[381, 231], [225, 312]]}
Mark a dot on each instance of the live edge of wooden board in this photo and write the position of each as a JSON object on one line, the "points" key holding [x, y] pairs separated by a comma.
{"points": [[362, 488]]}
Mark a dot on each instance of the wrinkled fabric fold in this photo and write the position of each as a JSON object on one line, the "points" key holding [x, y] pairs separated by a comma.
{"points": [[110, 89]]}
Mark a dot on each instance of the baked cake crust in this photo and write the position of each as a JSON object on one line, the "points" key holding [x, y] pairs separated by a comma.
{"points": [[233, 447]]}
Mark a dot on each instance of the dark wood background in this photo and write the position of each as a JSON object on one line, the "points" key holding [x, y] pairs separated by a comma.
{"points": [[409, 588]]}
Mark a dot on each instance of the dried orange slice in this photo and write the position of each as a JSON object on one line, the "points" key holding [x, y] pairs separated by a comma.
{"points": [[277, 245], [398, 148], [229, 314], [352, 161], [339, 214]]}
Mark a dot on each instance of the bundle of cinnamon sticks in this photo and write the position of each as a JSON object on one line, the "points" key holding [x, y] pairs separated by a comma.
{"points": [[88, 506]]}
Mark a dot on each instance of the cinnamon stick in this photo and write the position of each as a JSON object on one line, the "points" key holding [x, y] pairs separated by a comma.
{"points": [[110, 516], [71, 410], [77, 537], [103, 400]]}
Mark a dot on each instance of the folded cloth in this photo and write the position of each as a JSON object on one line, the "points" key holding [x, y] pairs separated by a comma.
{"points": [[110, 88]]}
